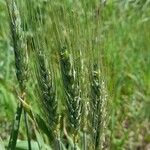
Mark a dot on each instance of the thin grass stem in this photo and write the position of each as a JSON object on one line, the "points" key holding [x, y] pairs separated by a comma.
{"points": [[15, 128], [27, 129]]}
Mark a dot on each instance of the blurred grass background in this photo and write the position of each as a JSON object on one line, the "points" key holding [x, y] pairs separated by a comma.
{"points": [[126, 55]]}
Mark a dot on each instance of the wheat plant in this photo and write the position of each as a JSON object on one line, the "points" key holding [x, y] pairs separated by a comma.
{"points": [[21, 63]]}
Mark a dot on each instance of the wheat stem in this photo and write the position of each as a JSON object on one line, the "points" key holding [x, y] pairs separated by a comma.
{"points": [[15, 128], [27, 129]]}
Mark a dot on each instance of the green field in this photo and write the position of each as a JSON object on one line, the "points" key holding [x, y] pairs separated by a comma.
{"points": [[59, 58]]}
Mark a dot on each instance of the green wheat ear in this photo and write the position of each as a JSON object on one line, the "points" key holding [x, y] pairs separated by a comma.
{"points": [[19, 44], [72, 90], [47, 91], [97, 106]]}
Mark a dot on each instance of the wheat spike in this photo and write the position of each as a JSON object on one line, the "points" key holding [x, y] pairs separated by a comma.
{"points": [[19, 44], [97, 103], [47, 91], [72, 91]]}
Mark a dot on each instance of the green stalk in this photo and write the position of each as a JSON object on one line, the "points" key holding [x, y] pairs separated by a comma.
{"points": [[85, 142], [15, 128], [27, 130], [58, 143]]}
